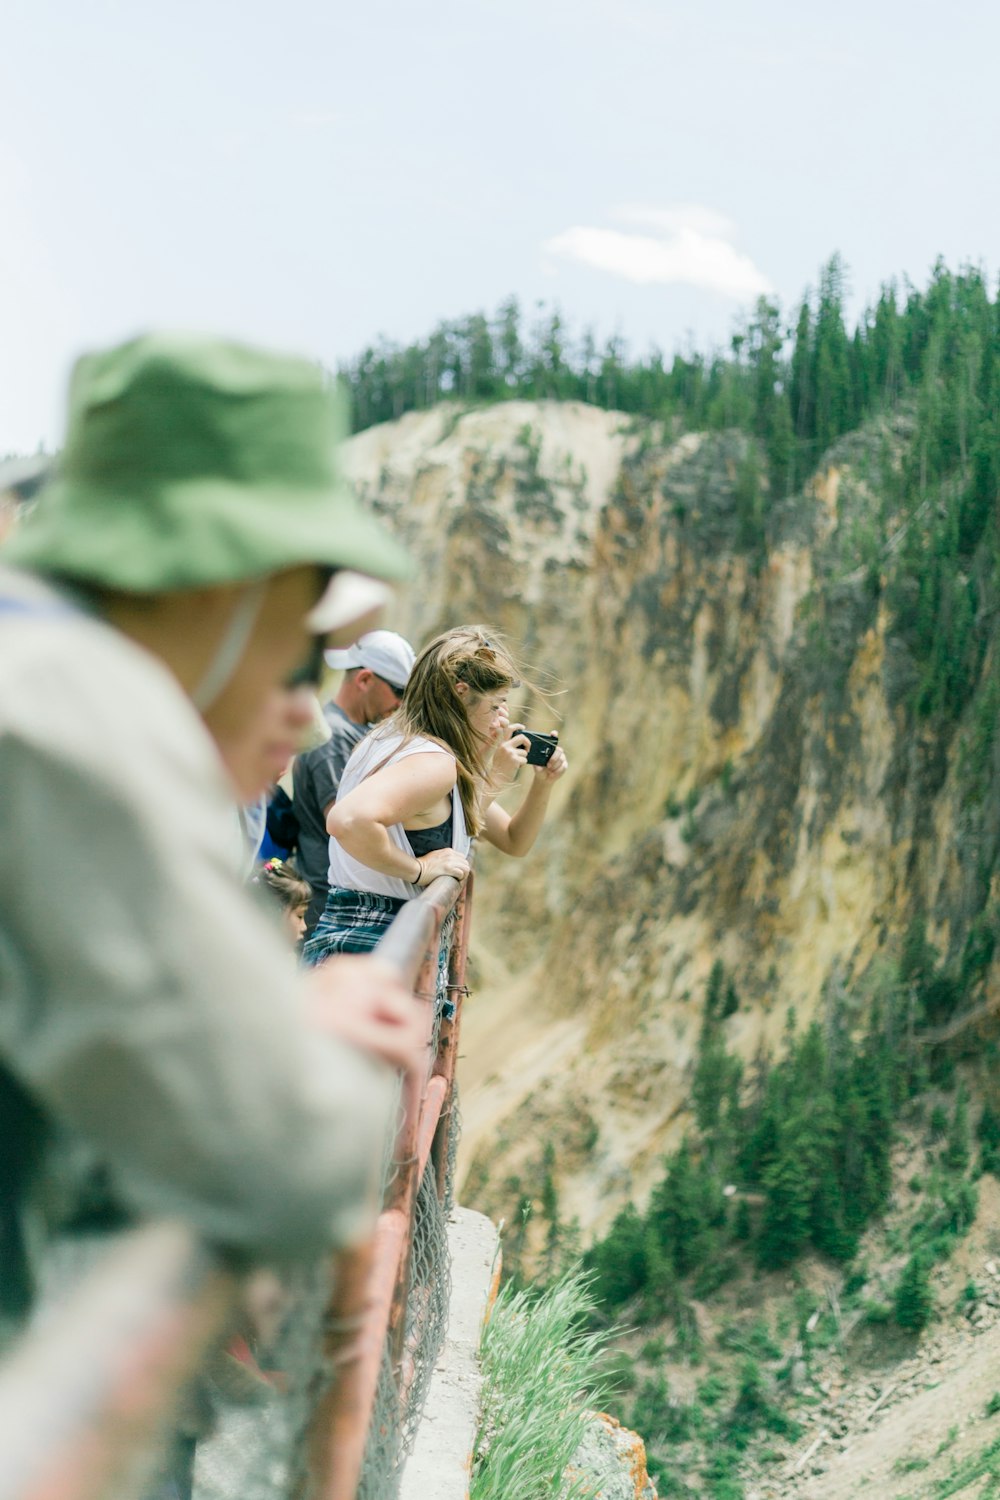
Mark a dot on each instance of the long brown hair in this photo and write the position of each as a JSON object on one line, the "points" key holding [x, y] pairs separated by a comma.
{"points": [[432, 705]]}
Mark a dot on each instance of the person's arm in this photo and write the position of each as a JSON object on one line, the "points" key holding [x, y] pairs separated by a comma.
{"points": [[515, 833], [396, 794]]}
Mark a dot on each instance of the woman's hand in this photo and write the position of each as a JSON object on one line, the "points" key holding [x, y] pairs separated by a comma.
{"points": [[442, 862], [508, 758], [499, 725], [557, 766]]}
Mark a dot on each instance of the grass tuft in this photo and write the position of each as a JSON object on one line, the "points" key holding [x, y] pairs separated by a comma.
{"points": [[540, 1367]]}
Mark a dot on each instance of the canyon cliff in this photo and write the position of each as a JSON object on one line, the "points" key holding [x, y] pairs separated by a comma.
{"points": [[748, 782]]}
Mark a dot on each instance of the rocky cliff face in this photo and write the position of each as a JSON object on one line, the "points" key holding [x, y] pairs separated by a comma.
{"points": [[743, 784]]}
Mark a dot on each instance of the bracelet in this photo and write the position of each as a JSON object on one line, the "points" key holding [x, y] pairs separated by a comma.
{"points": [[420, 871]]}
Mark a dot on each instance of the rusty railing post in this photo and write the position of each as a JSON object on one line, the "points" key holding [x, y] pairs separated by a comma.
{"points": [[447, 1055]]}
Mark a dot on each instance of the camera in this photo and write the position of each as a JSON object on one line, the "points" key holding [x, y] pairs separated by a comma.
{"points": [[540, 746]]}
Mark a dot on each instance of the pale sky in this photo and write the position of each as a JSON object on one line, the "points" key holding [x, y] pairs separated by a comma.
{"points": [[312, 175]]}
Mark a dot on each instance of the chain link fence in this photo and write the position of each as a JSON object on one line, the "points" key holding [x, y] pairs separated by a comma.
{"points": [[255, 1444], [258, 1446]]}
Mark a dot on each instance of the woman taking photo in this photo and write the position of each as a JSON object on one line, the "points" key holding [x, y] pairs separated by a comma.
{"points": [[422, 785]]}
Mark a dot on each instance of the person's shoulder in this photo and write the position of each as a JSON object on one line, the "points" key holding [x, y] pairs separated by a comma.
{"points": [[421, 744], [69, 679], [446, 763], [343, 730], [344, 736]]}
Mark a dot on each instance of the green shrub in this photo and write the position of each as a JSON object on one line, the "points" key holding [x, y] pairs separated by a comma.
{"points": [[540, 1371], [855, 1280], [618, 1371], [711, 1390], [752, 1339], [754, 1409], [659, 1416]]}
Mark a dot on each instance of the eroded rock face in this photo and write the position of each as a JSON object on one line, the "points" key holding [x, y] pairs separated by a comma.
{"points": [[613, 1460], [741, 787]]}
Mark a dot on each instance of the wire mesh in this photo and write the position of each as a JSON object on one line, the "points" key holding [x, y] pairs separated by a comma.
{"points": [[402, 1391], [257, 1448], [444, 1003], [453, 1125]]}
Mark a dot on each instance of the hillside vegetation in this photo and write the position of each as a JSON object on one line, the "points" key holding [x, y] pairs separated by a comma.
{"points": [[734, 1027]]}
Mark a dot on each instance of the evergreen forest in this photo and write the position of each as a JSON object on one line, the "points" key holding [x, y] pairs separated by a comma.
{"points": [[796, 388], [789, 1160]]}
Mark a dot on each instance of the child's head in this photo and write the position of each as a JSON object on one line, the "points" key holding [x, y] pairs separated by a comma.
{"points": [[291, 892]]}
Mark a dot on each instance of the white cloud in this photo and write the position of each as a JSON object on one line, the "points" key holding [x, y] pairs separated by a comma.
{"points": [[691, 247]]}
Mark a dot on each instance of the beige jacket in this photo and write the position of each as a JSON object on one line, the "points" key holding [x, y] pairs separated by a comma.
{"points": [[145, 1002]]}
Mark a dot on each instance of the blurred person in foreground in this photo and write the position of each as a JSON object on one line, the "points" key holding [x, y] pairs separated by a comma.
{"points": [[159, 1056], [376, 670]]}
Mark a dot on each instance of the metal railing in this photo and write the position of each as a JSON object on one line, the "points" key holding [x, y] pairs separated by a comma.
{"points": [[368, 1324], [89, 1395]]}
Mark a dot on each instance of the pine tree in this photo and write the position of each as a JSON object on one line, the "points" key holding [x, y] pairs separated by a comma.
{"points": [[988, 1135], [914, 1300], [789, 1187], [619, 1260], [717, 1075], [660, 1291], [831, 358], [508, 337], [801, 390], [957, 1146], [685, 1209]]}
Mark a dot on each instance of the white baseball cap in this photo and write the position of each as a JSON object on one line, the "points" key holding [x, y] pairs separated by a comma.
{"points": [[383, 652]]}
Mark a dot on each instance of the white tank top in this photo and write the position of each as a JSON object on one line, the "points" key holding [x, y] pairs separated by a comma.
{"points": [[378, 750]]}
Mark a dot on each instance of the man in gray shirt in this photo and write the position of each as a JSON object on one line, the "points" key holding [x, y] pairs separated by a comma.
{"points": [[377, 669]]}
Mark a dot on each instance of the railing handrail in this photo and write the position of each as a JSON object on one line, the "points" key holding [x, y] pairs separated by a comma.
{"points": [[405, 942], [86, 1391]]}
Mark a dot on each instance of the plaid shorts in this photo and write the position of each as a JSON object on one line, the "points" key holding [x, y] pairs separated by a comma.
{"points": [[352, 922]]}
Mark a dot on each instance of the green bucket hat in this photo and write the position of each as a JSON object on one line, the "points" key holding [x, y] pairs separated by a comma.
{"points": [[191, 462]]}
